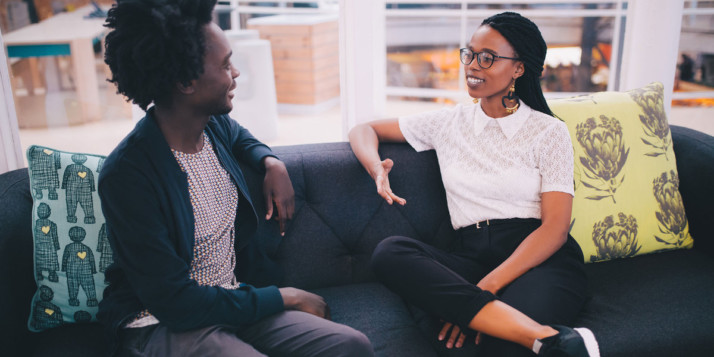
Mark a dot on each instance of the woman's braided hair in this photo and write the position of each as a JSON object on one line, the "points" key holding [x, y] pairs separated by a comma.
{"points": [[526, 39], [154, 45]]}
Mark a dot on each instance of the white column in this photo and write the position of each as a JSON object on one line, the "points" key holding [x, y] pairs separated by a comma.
{"points": [[362, 62], [651, 45], [10, 149], [235, 16]]}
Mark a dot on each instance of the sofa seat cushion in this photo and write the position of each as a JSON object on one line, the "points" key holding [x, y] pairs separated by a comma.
{"points": [[71, 340], [381, 315], [652, 305]]}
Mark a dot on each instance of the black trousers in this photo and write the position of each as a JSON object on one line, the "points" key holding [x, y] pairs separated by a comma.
{"points": [[443, 284]]}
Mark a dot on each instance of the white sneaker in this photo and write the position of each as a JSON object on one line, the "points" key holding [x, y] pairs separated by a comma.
{"points": [[577, 342]]}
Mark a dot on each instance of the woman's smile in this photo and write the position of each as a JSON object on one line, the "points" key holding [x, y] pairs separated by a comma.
{"points": [[473, 81]]}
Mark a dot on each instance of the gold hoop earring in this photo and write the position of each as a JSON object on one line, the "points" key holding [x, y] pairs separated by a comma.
{"points": [[511, 96], [476, 100]]}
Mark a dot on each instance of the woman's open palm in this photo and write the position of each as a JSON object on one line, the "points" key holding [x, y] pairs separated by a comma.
{"points": [[381, 179]]}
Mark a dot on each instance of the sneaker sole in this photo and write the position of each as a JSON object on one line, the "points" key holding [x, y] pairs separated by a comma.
{"points": [[590, 341]]}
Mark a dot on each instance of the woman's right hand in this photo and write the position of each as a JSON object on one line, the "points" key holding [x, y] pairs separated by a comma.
{"points": [[364, 140], [380, 174]]}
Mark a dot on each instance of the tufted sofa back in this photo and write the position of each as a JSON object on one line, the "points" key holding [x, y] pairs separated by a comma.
{"points": [[339, 218]]}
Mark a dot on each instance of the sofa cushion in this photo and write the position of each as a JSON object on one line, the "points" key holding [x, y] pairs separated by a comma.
{"points": [[71, 251], [16, 283], [627, 199], [381, 315], [71, 340], [339, 217], [652, 305]]}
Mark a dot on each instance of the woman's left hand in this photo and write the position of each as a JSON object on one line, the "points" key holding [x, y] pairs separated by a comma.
{"points": [[278, 188], [456, 338]]}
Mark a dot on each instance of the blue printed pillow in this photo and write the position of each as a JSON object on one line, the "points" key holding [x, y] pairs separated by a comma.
{"points": [[71, 251]]}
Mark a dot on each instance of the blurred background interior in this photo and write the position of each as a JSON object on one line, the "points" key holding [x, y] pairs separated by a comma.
{"points": [[289, 55]]}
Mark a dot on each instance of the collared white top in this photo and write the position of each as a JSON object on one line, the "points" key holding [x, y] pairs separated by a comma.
{"points": [[494, 168]]}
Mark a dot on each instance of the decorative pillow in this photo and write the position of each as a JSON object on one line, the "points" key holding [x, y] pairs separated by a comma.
{"points": [[70, 238], [627, 199]]}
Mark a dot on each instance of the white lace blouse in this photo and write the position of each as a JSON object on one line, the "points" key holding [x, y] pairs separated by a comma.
{"points": [[494, 168]]}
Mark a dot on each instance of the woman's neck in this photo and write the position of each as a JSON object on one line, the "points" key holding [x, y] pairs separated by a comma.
{"points": [[493, 107]]}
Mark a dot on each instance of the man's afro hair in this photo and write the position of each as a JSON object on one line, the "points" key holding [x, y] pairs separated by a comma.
{"points": [[154, 45]]}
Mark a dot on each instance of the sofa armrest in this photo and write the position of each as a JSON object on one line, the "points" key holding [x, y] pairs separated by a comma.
{"points": [[17, 282], [694, 152]]}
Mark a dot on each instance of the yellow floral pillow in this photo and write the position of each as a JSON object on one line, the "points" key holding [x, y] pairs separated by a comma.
{"points": [[627, 199]]}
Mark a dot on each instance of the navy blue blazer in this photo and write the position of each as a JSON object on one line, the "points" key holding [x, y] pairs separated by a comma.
{"points": [[145, 199]]}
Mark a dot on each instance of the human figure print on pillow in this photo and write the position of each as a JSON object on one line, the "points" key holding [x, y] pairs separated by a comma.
{"points": [[82, 316], [78, 180], [100, 164], [46, 314], [104, 249], [67, 254], [78, 263], [46, 244], [44, 164]]}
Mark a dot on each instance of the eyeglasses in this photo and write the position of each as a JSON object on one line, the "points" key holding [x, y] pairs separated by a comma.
{"points": [[484, 59]]}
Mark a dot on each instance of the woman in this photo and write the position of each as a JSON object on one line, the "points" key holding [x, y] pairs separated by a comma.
{"points": [[507, 168]]}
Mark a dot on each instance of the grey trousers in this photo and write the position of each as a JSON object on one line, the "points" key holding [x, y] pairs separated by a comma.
{"points": [[289, 333]]}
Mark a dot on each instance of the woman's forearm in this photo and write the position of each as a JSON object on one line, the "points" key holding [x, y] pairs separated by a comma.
{"points": [[365, 145], [537, 247], [540, 245]]}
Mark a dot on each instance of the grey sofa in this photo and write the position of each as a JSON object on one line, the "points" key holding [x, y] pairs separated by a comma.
{"points": [[653, 305]]}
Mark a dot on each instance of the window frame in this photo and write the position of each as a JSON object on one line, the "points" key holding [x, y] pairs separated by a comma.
{"points": [[464, 14], [689, 10]]}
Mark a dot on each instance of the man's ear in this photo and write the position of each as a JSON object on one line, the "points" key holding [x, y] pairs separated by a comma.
{"points": [[186, 88]]}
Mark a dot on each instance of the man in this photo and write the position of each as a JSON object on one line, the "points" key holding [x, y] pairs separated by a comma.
{"points": [[177, 206]]}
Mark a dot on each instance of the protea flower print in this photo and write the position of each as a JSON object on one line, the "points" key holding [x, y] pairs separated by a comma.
{"points": [[654, 120], [673, 221], [615, 239], [605, 153]]}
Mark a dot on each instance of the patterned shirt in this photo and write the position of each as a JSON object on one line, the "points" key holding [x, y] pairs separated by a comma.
{"points": [[214, 199], [494, 168]]}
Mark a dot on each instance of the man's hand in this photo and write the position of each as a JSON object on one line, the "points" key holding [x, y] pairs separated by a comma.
{"points": [[301, 300], [278, 188]]}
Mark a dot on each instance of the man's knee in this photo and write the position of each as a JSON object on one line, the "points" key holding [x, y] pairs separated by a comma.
{"points": [[352, 343]]}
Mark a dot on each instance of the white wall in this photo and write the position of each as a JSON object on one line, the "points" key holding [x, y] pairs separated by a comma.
{"points": [[10, 150], [363, 62], [651, 45]]}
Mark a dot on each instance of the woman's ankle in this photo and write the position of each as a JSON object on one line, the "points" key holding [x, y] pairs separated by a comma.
{"points": [[546, 331]]}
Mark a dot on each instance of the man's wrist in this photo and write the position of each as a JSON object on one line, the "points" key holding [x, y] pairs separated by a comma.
{"points": [[270, 162], [289, 298]]}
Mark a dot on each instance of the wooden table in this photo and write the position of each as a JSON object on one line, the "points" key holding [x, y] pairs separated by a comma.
{"points": [[65, 34]]}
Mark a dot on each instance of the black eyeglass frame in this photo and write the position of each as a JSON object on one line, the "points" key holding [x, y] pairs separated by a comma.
{"points": [[475, 55]]}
